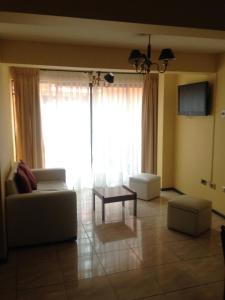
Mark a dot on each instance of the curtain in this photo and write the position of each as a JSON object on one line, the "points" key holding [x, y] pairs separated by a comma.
{"points": [[28, 136], [149, 123], [117, 130], [65, 107], [95, 136]]}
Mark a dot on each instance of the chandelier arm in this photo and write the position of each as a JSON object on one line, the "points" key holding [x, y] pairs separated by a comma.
{"points": [[163, 67]]}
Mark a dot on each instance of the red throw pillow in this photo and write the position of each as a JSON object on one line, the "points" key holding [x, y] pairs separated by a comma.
{"points": [[33, 182], [22, 182]]}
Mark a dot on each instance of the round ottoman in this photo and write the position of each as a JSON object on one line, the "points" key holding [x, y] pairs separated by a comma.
{"points": [[147, 186], [189, 215]]}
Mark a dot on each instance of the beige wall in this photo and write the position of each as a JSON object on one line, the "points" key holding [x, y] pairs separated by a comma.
{"points": [[61, 55], [166, 128], [160, 126], [6, 149], [218, 175], [194, 144]]}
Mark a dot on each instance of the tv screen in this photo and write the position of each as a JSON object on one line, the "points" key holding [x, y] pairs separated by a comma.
{"points": [[193, 99]]}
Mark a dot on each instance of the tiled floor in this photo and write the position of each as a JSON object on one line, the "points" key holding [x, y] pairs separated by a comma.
{"points": [[126, 258]]}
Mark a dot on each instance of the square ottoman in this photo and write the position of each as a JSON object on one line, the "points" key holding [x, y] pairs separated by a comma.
{"points": [[147, 186], [189, 215]]}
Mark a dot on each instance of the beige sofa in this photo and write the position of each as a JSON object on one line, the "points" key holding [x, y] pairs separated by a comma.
{"points": [[48, 214]]}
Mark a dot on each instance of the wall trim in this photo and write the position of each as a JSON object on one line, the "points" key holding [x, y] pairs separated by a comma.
{"points": [[218, 213]]}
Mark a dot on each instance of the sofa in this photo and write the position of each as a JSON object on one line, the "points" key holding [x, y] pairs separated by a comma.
{"points": [[47, 214]]}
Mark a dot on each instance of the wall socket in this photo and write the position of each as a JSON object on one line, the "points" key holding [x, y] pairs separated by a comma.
{"points": [[223, 189], [222, 113], [204, 182], [212, 185]]}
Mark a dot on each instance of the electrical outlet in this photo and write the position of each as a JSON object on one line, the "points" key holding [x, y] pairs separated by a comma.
{"points": [[212, 185], [203, 181], [223, 189], [222, 114]]}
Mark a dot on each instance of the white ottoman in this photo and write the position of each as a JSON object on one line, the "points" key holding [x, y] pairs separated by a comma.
{"points": [[147, 186], [189, 215]]}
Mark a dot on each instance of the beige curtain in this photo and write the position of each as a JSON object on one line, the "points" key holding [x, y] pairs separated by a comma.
{"points": [[27, 116], [149, 123]]}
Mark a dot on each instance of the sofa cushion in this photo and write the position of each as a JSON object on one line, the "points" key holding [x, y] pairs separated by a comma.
{"points": [[33, 182], [22, 182], [51, 185]]}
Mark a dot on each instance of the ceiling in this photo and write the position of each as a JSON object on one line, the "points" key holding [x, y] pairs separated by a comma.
{"points": [[191, 13], [79, 31]]}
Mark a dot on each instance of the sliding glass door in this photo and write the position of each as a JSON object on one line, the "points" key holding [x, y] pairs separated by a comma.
{"points": [[117, 130], [97, 139]]}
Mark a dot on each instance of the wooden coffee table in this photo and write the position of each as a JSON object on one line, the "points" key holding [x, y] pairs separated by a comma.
{"points": [[114, 194]]}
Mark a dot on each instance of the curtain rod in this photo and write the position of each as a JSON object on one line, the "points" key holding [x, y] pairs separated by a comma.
{"points": [[88, 71]]}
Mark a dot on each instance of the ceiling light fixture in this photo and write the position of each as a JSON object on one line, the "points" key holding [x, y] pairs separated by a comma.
{"points": [[142, 62], [95, 78]]}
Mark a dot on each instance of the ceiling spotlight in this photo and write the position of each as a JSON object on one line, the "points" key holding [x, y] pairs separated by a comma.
{"points": [[109, 77], [142, 62], [95, 78]]}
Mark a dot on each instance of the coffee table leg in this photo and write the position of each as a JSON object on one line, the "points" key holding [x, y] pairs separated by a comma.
{"points": [[103, 210], [93, 200]]}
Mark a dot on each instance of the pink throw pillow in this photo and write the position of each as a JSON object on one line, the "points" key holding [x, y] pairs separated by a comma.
{"points": [[22, 182], [33, 182]]}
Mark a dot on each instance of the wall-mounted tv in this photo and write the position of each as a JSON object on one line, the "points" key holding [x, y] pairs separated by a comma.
{"points": [[194, 99]]}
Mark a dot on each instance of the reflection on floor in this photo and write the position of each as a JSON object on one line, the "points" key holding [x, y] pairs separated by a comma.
{"points": [[125, 258]]}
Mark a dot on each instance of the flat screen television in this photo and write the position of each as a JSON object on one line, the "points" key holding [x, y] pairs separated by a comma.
{"points": [[193, 99]]}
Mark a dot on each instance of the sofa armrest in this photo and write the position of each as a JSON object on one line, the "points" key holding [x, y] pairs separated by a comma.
{"points": [[27, 198], [50, 174], [41, 217]]}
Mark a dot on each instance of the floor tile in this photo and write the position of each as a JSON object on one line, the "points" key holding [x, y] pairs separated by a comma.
{"points": [[191, 249], [206, 270], [101, 247], [207, 292], [158, 297], [95, 289], [8, 295], [122, 258], [7, 278], [173, 276], [33, 255], [74, 268], [54, 292], [152, 255], [40, 274], [118, 261], [134, 284], [81, 247]]}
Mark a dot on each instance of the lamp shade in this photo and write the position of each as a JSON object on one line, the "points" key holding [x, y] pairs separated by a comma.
{"points": [[135, 56], [166, 54], [109, 77]]}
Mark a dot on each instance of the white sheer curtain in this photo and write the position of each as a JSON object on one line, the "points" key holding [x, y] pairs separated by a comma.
{"points": [[116, 127], [65, 109], [117, 130]]}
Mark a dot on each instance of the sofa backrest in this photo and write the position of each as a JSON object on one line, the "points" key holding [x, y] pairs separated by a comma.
{"points": [[10, 181]]}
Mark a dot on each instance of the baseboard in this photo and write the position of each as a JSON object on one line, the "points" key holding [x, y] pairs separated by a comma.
{"points": [[218, 213], [172, 189]]}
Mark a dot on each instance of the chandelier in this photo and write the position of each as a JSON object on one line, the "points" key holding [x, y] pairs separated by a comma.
{"points": [[95, 78], [142, 62]]}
